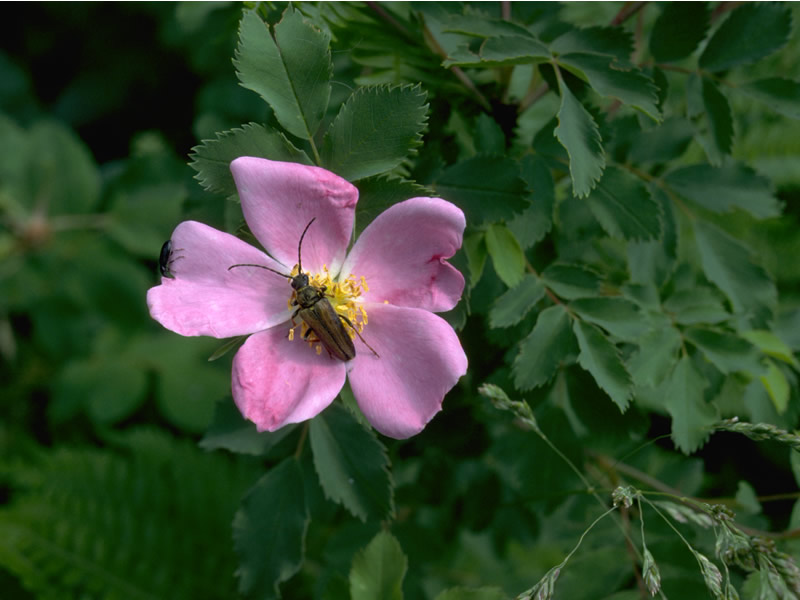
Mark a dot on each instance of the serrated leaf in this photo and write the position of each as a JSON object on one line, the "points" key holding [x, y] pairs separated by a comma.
{"points": [[510, 308], [652, 262], [678, 30], [729, 265], [212, 158], [502, 50], [696, 305], [230, 431], [692, 416], [352, 465], [751, 32], [580, 136], [291, 69], [462, 593], [506, 254], [376, 194], [532, 224], [747, 499], [614, 41], [375, 130], [550, 344], [663, 143], [613, 79], [704, 99], [601, 358], [655, 358], [781, 95], [618, 316], [571, 281], [623, 206], [727, 351], [269, 530], [777, 387], [479, 25], [771, 345], [487, 188], [721, 189], [378, 570]]}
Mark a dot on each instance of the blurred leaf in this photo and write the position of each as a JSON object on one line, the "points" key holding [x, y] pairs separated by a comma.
{"points": [[664, 143], [212, 158], [655, 358], [475, 249], [746, 498], [720, 189], [618, 316], [489, 137], [678, 30], [692, 416], [751, 32], [652, 262], [623, 206], [728, 352], [229, 430], [375, 130], [771, 345], [728, 264], [502, 50], [487, 188], [510, 308], [781, 95], [507, 256], [352, 465], [609, 78], [601, 358], [614, 41], [705, 99], [579, 134], [461, 593], [378, 570], [376, 194], [290, 68], [571, 281], [549, 345], [480, 26], [777, 387], [269, 530], [696, 305], [535, 221]]}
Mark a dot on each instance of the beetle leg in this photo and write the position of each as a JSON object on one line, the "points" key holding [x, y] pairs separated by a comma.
{"points": [[353, 327]]}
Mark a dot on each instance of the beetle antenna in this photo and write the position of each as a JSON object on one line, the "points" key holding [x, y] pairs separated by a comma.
{"points": [[260, 267], [300, 245]]}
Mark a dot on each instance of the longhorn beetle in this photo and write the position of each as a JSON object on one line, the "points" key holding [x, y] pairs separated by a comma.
{"points": [[317, 312], [165, 259]]}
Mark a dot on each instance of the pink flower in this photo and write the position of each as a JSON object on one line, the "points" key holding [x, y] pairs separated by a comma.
{"points": [[390, 284]]}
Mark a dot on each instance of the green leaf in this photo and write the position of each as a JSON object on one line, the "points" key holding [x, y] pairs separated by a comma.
{"points": [[475, 249], [614, 41], [510, 308], [781, 95], [462, 593], [352, 465], [624, 208], [487, 188], [580, 136], [479, 25], [229, 430], [705, 99], [601, 358], [533, 223], [696, 305], [269, 530], [777, 387], [489, 137], [652, 262], [727, 351], [291, 69], [502, 50], [751, 32], [730, 267], [655, 357], [506, 254], [378, 570], [678, 30], [376, 194], [721, 189], [571, 281], [664, 143], [746, 498], [618, 316], [549, 345], [613, 79], [771, 345], [692, 416], [212, 158], [375, 130]]}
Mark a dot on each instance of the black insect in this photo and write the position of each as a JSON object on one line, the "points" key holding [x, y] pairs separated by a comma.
{"points": [[165, 260], [317, 312]]}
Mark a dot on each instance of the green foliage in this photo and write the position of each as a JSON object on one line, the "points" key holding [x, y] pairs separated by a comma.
{"points": [[378, 570]]}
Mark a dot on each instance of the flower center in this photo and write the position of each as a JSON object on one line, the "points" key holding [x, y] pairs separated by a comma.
{"points": [[344, 297]]}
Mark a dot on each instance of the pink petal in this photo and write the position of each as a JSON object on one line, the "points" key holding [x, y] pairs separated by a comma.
{"points": [[402, 255], [205, 298], [277, 381], [420, 360], [279, 199]]}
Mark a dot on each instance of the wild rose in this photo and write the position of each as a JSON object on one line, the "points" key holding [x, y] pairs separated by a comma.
{"points": [[389, 285]]}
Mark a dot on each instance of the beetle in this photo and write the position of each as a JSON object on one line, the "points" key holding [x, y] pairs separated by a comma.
{"points": [[316, 311], [165, 260]]}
